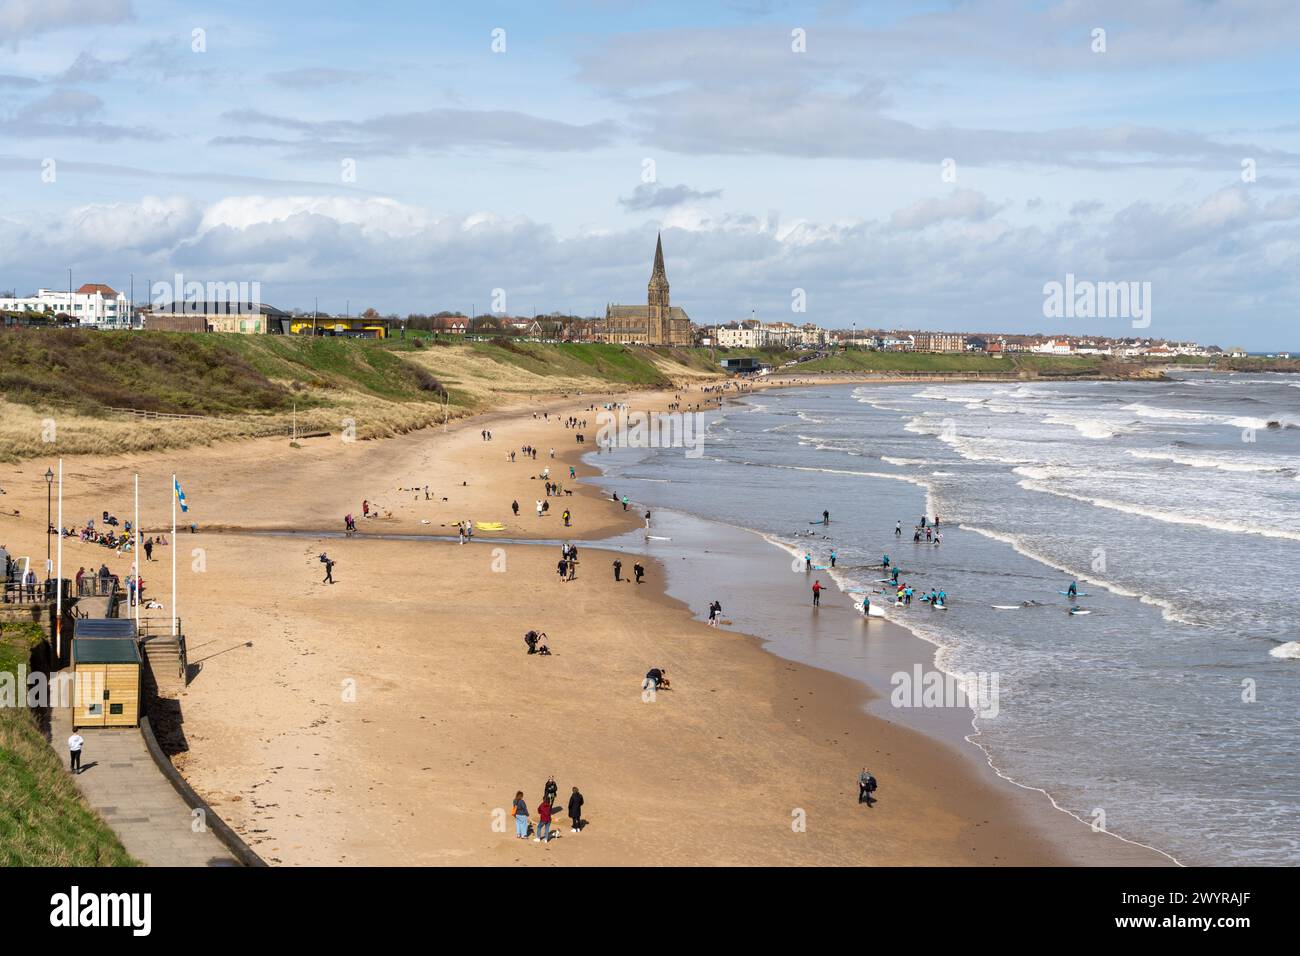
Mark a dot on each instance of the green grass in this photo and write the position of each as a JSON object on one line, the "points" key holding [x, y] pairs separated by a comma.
{"points": [[616, 364], [43, 819], [210, 374], [865, 360]]}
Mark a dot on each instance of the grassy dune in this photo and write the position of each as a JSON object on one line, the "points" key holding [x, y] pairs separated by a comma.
{"points": [[43, 819], [61, 385]]}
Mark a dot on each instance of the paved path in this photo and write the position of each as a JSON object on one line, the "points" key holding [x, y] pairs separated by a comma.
{"points": [[121, 781]]}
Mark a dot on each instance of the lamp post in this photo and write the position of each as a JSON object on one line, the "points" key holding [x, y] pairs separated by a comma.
{"points": [[49, 502]]}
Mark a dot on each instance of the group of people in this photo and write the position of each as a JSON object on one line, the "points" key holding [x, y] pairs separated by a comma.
{"points": [[547, 811], [638, 571], [567, 566]]}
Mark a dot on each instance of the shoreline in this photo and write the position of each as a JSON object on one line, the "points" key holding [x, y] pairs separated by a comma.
{"points": [[953, 727], [217, 760]]}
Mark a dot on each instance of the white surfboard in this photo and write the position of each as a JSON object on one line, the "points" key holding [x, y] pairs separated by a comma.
{"points": [[657, 537], [874, 611], [1006, 607]]}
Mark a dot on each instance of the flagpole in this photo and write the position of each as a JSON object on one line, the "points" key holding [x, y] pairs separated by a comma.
{"points": [[174, 547], [58, 587], [137, 555]]}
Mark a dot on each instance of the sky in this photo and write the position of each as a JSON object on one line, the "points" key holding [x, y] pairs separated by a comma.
{"points": [[879, 165]]}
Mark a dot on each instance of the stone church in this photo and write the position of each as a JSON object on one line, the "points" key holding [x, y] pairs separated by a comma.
{"points": [[655, 323]]}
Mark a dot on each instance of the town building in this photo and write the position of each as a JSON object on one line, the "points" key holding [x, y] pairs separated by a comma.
{"points": [[94, 304], [938, 342], [248, 318]]}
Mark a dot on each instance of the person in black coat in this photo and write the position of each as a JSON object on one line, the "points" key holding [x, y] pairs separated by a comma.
{"points": [[575, 811]]}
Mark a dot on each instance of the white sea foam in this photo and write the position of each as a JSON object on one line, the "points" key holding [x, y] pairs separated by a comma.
{"points": [[1207, 461], [1288, 651], [1169, 517], [1087, 427]]}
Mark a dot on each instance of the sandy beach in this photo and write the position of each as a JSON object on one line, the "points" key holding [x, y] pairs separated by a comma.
{"points": [[390, 717]]}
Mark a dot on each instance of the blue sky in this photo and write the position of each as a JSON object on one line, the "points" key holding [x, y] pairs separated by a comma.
{"points": [[773, 169]]}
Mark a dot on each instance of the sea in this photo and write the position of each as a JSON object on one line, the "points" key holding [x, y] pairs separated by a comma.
{"points": [[1169, 714]]}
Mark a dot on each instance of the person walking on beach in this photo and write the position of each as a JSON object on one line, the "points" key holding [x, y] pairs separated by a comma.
{"points": [[713, 614], [562, 567], [807, 561], [74, 752], [625, 502], [817, 593], [148, 549], [866, 787], [866, 605], [550, 791], [832, 557], [566, 517], [539, 507], [898, 529], [514, 506], [618, 570], [575, 811], [638, 572], [521, 816], [329, 568]]}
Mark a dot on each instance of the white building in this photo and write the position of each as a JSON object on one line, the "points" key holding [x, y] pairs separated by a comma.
{"points": [[742, 337], [93, 304]]}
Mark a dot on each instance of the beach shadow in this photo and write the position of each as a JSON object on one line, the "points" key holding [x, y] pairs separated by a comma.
{"points": [[87, 766], [168, 725]]}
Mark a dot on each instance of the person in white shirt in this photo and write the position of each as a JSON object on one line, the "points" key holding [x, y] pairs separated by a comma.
{"points": [[74, 749]]}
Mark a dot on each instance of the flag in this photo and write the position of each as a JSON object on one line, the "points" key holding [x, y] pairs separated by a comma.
{"points": [[180, 495]]}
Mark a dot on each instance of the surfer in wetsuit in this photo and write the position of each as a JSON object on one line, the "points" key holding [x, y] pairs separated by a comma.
{"points": [[884, 562], [895, 575], [898, 529], [826, 517], [1073, 591]]}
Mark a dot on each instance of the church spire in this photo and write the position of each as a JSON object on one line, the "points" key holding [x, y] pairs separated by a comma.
{"points": [[658, 271]]}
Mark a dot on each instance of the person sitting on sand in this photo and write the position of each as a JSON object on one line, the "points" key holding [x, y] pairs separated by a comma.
{"points": [[530, 639], [655, 678]]}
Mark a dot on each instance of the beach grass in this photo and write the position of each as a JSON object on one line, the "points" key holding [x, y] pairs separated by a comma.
{"points": [[44, 821]]}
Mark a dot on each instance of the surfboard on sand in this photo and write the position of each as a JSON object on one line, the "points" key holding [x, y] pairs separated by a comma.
{"points": [[657, 537], [490, 525]]}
